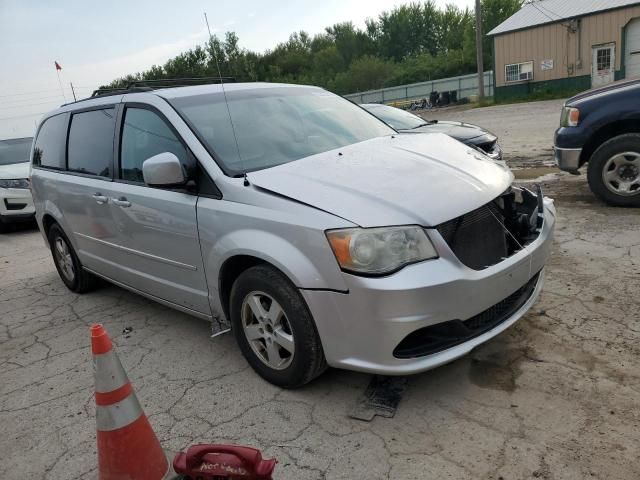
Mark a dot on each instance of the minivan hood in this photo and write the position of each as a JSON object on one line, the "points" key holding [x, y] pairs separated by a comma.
{"points": [[422, 179], [14, 170]]}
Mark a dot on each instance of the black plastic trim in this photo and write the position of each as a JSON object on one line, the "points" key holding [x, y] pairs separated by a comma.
{"points": [[442, 336], [334, 290]]}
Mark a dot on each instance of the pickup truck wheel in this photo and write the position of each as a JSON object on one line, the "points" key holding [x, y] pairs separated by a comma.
{"points": [[68, 264], [274, 329], [614, 171]]}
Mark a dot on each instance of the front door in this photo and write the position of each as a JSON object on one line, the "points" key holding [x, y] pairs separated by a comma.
{"points": [[603, 65], [157, 249]]}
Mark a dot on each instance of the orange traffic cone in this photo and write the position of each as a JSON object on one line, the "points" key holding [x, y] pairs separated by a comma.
{"points": [[127, 447]]}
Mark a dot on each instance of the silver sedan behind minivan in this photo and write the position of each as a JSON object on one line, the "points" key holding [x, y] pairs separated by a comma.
{"points": [[313, 229]]}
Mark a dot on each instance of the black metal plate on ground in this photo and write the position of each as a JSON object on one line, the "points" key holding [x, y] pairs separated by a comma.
{"points": [[380, 398]]}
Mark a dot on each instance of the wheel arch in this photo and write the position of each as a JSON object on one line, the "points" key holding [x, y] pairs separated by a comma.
{"points": [[230, 270], [607, 132], [47, 221], [248, 247]]}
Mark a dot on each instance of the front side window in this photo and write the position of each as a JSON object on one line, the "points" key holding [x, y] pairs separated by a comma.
{"points": [[90, 148], [49, 148], [145, 134], [517, 72], [264, 127]]}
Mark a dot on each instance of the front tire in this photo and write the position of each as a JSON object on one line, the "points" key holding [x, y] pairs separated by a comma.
{"points": [[614, 171], [67, 263], [274, 329]]}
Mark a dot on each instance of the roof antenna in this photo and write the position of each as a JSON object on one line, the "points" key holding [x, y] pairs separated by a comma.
{"points": [[215, 57]]}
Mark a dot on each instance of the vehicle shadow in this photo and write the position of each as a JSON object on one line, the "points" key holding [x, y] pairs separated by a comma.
{"points": [[21, 227]]}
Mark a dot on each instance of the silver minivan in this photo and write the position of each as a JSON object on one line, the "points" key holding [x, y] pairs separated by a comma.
{"points": [[319, 234]]}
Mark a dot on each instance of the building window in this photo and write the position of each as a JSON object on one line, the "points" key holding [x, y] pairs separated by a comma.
{"points": [[517, 72], [603, 59]]}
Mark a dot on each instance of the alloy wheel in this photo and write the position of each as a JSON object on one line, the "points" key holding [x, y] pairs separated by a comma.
{"points": [[267, 330], [63, 258], [621, 174]]}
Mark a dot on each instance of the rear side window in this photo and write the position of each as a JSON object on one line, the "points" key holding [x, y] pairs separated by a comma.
{"points": [[145, 134], [91, 142], [49, 147]]}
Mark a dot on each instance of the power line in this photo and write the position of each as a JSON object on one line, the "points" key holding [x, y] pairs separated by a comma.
{"points": [[535, 4], [19, 100], [22, 116], [532, 3], [2, 107], [30, 93], [35, 92], [544, 7]]}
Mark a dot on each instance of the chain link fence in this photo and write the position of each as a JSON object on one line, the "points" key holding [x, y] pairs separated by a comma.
{"points": [[464, 85]]}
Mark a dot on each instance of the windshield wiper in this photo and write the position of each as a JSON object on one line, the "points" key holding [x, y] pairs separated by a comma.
{"points": [[425, 124]]}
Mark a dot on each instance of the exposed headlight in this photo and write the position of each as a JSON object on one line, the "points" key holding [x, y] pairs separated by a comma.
{"points": [[570, 117], [495, 153], [376, 251], [14, 183]]}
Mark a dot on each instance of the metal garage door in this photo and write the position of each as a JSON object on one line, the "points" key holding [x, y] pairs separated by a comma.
{"points": [[632, 47]]}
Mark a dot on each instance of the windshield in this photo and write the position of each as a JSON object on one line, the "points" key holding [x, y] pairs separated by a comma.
{"points": [[276, 125], [15, 150], [398, 119]]}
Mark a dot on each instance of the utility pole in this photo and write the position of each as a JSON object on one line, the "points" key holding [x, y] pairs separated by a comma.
{"points": [[479, 60]]}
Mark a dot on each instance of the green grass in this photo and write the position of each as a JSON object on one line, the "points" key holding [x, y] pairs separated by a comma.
{"points": [[536, 96]]}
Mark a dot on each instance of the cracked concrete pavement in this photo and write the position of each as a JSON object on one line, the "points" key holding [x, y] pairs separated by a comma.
{"points": [[556, 396]]}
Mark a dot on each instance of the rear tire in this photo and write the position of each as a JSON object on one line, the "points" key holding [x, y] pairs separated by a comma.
{"points": [[614, 167], [274, 329], [67, 263]]}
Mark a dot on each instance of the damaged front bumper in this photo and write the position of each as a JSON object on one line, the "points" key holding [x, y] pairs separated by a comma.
{"points": [[365, 328]]}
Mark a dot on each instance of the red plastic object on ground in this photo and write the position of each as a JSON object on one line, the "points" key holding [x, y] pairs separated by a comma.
{"points": [[218, 462]]}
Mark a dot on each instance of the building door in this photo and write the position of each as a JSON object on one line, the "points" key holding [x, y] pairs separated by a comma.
{"points": [[603, 65], [632, 47]]}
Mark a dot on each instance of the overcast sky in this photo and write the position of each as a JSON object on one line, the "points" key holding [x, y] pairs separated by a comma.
{"points": [[96, 42]]}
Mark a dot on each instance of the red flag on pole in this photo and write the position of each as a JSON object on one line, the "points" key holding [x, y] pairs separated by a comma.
{"points": [[58, 67]]}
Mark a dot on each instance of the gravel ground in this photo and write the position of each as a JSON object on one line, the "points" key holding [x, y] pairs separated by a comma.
{"points": [[557, 396], [525, 130]]}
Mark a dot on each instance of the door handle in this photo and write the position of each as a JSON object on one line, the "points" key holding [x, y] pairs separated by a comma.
{"points": [[121, 202], [99, 198]]}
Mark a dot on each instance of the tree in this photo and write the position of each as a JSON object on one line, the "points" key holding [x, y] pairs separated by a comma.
{"points": [[365, 73], [350, 42], [410, 43]]}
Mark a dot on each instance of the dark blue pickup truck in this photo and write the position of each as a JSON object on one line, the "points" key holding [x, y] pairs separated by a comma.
{"points": [[602, 127]]}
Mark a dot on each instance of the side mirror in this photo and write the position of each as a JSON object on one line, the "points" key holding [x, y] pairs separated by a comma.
{"points": [[163, 170]]}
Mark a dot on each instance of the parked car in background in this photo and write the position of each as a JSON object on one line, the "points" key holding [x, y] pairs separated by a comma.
{"points": [[319, 233], [16, 204], [469, 134], [601, 127]]}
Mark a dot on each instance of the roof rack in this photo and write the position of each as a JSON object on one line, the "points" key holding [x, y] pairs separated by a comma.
{"points": [[149, 85]]}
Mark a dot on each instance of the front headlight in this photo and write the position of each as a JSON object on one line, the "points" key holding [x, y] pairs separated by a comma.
{"points": [[570, 117], [495, 153], [376, 251], [14, 183]]}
